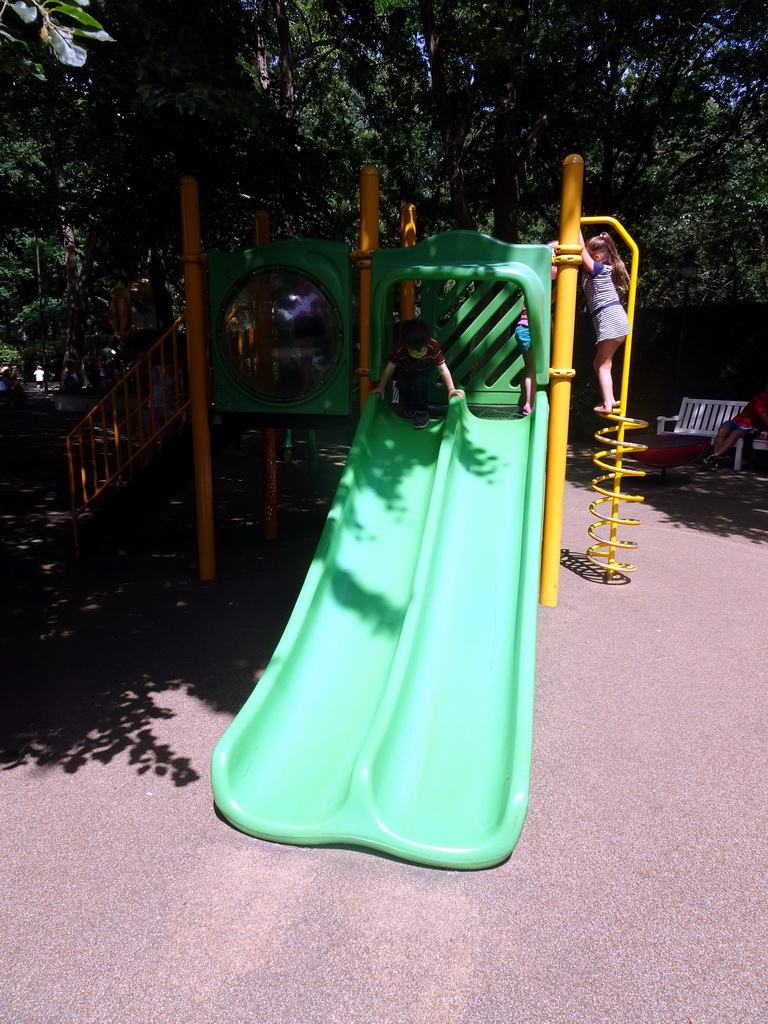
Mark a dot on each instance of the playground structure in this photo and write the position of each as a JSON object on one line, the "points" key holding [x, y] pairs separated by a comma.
{"points": [[109, 452], [397, 710], [117, 439]]}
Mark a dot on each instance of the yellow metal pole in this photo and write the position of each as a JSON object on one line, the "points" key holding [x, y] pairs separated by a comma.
{"points": [[369, 241], [568, 261], [268, 434], [196, 295], [407, 238]]}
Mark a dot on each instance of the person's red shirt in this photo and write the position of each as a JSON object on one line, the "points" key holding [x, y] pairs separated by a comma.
{"points": [[433, 357], [750, 414]]}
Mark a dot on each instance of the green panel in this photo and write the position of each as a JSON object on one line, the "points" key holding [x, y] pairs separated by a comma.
{"points": [[281, 329], [472, 289], [397, 710]]}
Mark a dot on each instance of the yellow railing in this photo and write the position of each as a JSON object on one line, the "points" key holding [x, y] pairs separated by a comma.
{"points": [[126, 430]]}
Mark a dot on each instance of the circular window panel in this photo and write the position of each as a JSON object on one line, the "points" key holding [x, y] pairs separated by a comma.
{"points": [[281, 335]]}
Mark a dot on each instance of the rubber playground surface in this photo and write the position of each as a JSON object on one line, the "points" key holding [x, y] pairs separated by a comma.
{"points": [[635, 893]]}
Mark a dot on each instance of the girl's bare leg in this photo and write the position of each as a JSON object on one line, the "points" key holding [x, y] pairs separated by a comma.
{"points": [[602, 366], [528, 385]]}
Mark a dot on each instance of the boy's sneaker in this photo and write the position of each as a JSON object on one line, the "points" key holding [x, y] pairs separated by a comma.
{"points": [[711, 462], [421, 420], [409, 409]]}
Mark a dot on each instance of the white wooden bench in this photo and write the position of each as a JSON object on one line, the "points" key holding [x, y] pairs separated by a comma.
{"points": [[704, 417]]}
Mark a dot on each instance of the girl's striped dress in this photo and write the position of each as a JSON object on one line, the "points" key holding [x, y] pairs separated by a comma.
{"points": [[609, 317]]}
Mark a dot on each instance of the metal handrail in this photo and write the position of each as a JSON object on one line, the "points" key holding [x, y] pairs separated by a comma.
{"points": [[128, 427]]}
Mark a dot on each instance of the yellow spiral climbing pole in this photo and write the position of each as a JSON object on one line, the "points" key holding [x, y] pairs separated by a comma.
{"points": [[609, 486]]}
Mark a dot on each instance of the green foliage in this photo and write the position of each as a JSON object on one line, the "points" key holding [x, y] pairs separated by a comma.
{"points": [[13, 355], [278, 106], [48, 27]]}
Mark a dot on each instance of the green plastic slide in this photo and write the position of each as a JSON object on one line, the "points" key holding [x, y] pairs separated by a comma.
{"points": [[397, 710]]}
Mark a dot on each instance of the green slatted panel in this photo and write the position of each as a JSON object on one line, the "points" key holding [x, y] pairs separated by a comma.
{"points": [[471, 290]]}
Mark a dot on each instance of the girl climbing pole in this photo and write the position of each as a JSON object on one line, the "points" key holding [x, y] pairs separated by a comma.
{"points": [[605, 279]]}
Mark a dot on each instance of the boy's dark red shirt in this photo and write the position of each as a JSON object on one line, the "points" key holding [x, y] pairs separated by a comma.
{"points": [[400, 357]]}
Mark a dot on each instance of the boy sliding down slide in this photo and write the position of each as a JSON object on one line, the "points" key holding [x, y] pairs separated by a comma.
{"points": [[411, 360]]}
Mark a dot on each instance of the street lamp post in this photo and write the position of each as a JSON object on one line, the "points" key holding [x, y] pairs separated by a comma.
{"points": [[688, 272]]}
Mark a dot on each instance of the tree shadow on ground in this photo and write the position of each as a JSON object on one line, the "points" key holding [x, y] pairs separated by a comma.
{"points": [[724, 503], [95, 649], [98, 652]]}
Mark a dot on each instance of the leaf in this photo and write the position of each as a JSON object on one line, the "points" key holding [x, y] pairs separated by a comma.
{"points": [[76, 14], [66, 50], [26, 12], [101, 35]]}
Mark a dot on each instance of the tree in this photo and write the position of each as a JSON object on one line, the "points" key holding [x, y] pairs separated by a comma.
{"points": [[467, 109], [679, 118], [107, 176]]}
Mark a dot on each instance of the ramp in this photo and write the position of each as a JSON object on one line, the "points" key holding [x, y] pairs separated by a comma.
{"points": [[397, 710]]}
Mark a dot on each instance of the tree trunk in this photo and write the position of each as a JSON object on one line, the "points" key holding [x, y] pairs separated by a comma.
{"points": [[508, 168], [287, 107], [453, 132], [78, 278], [161, 296], [262, 57], [507, 182]]}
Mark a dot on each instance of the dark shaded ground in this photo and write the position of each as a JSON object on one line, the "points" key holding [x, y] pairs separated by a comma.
{"points": [[92, 644], [98, 641], [637, 890]]}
